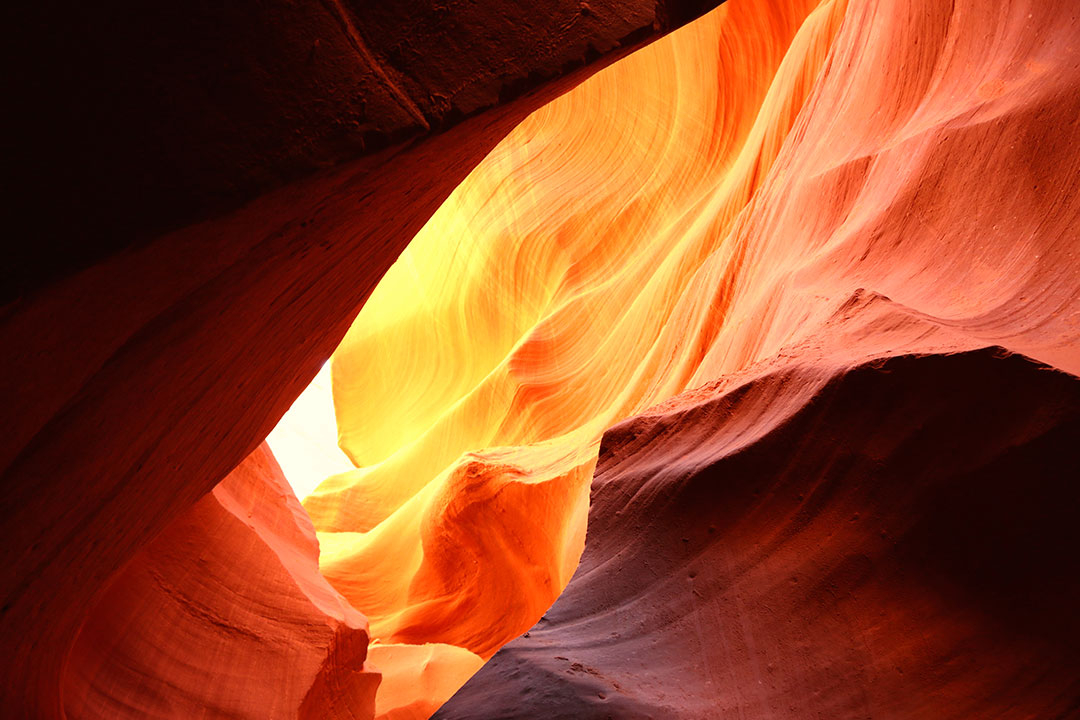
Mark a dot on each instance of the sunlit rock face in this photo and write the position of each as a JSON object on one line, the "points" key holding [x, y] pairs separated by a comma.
{"points": [[776, 202], [207, 195], [184, 631], [760, 347], [551, 296]]}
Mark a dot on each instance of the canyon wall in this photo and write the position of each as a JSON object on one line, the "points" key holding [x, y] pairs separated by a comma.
{"points": [[224, 614], [474, 386], [206, 197], [134, 120], [846, 513], [773, 325], [883, 540], [881, 186]]}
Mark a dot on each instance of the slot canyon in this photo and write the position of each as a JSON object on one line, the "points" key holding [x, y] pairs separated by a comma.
{"points": [[547, 359]]}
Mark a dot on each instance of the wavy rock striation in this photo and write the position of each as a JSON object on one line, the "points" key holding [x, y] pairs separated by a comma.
{"points": [[749, 277], [154, 326], [886, 540], [496, 362], [878, 179]]}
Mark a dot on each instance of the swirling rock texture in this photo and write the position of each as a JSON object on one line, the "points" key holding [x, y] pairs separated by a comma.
{"points": [[205, 197], [889, 540], [798, 227], [467, 516], [774, 325]]}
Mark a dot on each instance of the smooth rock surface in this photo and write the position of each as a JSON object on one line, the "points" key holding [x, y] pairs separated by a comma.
{"points": [[886, 540], [877, 179], [225, 614], [156, 326], [474, 387], [782, 251]]}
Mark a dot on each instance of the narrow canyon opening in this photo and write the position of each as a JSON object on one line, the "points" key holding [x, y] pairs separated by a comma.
{"points": [[737, 378], [554, 294], [597, 263]]}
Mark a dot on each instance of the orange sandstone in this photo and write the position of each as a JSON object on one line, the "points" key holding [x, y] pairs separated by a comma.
{"points": [[791, 184]]}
